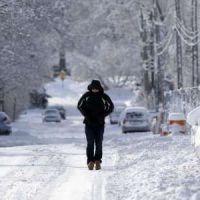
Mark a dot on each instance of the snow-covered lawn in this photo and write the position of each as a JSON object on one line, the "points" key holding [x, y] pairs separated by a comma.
{"points": [[42, 161]]}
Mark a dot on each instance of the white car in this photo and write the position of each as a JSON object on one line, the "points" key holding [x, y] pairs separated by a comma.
{"points": [[115, 115], [52, 115], [135, 119], [5, 124], [176, 123]]}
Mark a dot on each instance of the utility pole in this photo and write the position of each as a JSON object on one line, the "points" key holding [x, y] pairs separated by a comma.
{"points": [[179, 61], [144, 53], [152, 50], [158, 16], [195, 51], [62, 61], [62, 32]]}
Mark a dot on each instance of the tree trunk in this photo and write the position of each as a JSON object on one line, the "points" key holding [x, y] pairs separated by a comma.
{"points": [[144, 54], [195, 52], [158, 64]]}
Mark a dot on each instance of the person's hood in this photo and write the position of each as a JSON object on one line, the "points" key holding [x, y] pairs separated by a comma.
{"points": [[95, 84]]}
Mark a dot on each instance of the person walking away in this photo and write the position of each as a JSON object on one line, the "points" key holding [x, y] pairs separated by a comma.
{"points": [[95, 105]]}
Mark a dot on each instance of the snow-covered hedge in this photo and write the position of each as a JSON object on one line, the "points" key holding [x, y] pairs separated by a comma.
{"points": [[193, 118]]}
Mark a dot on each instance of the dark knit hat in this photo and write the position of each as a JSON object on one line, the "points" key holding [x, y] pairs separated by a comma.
{"points": [[95, 84]]}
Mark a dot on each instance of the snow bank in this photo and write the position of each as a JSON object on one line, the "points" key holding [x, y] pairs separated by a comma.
{"points": [[193, 119]]}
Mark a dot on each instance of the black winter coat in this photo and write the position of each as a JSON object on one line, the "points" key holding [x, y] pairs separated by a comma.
{"points": [[95, 107]]}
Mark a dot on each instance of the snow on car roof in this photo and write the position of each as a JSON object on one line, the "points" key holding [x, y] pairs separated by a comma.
{"points": [[3, 115], [133, 109], [51, 110], [55, 105], [176, 116]]}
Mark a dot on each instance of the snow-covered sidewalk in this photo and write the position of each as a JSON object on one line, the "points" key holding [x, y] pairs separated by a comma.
{"points": [[52, 164], [154, 167]]}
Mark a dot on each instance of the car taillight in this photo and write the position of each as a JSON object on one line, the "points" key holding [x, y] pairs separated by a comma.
{"points": [[179, 122]]}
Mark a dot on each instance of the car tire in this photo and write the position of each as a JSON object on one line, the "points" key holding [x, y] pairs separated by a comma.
{"points": [[7, 133]]}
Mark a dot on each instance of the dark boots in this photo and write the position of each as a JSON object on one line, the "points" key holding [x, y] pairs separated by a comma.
{"points": [[91, 165], [97, 165]]}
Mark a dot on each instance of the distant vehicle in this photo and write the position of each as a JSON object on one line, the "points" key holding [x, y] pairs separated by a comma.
{"points": [[52, 115], [115, 115], [5, 124], [39, 98], [61, 110], [176, 123], [135, 119], [56, 71]]}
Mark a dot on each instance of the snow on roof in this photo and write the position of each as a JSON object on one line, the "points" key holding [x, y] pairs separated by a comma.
{"points": [[133, 109], [176, 116], [2, 114], [51, 110]]}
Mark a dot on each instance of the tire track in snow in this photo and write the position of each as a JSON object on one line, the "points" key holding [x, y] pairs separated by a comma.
{"points": [[79, 183]]}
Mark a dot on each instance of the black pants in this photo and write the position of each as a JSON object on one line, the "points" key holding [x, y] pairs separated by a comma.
{"points": [[94, 136]]}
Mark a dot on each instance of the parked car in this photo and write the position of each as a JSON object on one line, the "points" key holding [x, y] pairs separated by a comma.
{"points": [[61, 110], [52, 115], [56, 71], [176, 123], [5, 124], [115, 115], [135, 119]]}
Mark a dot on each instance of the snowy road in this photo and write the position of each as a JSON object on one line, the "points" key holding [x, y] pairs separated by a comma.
{"points": [[135, 166], [42, 161], [53, 168]]}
